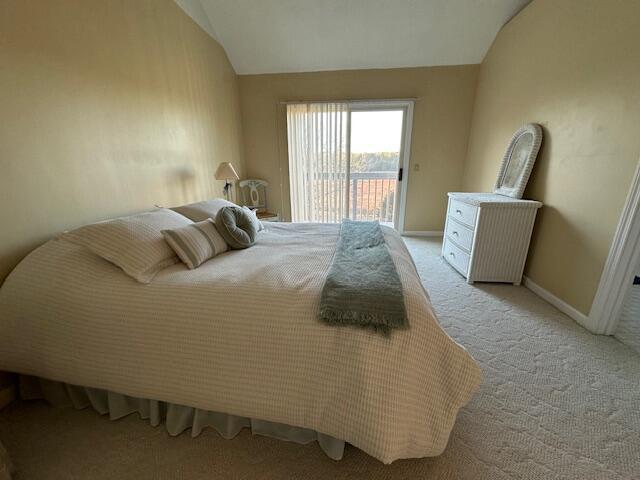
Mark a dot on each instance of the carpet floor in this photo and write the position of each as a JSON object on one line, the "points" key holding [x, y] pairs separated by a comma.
{"points": [[555, 402]]}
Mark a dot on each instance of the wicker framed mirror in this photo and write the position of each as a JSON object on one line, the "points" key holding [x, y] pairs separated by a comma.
{"points": [[518, 161]]}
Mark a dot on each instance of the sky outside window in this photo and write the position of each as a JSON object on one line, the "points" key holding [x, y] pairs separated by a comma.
{"points": [[376, 131]]}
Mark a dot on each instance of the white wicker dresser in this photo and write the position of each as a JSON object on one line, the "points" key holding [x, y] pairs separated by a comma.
{"points": [[487, 236]]}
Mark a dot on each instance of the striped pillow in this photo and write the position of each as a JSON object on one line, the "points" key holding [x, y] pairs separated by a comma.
{"points": [[196, 243], [134, 243]]}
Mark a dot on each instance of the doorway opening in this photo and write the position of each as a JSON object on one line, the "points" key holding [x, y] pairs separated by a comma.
{"points": [[628, 328], [618, 285]]}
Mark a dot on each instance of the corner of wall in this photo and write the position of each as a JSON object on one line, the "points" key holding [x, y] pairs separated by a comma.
{"points": [[465, 165]]}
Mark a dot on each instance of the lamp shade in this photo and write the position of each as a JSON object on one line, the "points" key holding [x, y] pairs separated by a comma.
{"points": [[225, 171]]}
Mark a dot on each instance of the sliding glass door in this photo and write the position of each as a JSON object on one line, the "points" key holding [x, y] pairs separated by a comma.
{"points": [[348, 160], [376, 145]]}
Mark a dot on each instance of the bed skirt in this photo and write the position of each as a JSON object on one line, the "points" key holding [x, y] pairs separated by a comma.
{"points": [[177, 418]]}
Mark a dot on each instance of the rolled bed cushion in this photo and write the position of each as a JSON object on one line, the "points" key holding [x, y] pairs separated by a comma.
{"points": [[134, 243], [200, 211], [237, 227], [196, 243]]}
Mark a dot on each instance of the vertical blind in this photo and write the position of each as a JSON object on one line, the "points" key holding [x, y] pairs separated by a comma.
{"points": [[318, 161]]}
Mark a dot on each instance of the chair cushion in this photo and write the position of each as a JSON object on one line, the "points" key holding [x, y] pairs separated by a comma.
{"points": [[237, 227], [196, 243]]}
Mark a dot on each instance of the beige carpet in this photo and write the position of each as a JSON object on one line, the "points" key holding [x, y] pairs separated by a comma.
{"points": [[556, 402]]}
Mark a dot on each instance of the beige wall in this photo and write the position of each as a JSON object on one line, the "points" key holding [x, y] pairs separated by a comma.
{"points": [[440, 127], [574, 67], [107, 107]]}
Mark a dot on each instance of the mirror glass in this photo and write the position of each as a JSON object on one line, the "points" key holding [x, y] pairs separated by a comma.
{"points": [[517, 160]]}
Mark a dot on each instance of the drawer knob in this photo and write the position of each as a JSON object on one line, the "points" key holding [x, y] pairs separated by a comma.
{"points": [[455, 233], [459, 212], [452, 254]]}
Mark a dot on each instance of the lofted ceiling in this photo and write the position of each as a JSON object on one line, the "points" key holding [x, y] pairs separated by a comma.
{"points": [[276, 36]]}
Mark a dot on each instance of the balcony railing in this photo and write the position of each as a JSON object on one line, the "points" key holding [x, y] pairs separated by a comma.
{"points": [[372, 195]]}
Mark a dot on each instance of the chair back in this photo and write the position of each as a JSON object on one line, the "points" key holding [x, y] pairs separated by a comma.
{"points": [[254, 193]]}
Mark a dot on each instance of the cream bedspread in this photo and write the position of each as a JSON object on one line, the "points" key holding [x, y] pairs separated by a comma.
{"points": [[239, 335]]}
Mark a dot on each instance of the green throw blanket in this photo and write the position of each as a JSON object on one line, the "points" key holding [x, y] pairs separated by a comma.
{"points": [[363, 287]]}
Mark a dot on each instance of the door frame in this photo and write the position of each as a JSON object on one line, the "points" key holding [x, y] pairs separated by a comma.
{"points": [[405, 146], [619, 269]]}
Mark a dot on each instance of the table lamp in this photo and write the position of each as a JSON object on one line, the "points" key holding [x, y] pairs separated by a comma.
{"points": [[226, 172]]}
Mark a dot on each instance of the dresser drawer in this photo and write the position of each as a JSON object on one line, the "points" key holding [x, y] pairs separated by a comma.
{"points": [[461, 235], [463, 212], [456, 257]]}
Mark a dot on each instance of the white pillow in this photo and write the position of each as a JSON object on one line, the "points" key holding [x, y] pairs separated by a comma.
{"points": [[134, 243], [200, 211], [254, 219]]}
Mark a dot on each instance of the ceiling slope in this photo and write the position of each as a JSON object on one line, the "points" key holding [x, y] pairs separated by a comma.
{"points": [[275, 36]]}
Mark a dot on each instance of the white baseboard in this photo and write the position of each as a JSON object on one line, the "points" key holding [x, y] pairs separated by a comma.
{"points": [[421, 233], [561, 305], [7, 395]]}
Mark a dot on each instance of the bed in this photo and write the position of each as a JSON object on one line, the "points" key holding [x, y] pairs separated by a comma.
{"points": [[239, 336]]}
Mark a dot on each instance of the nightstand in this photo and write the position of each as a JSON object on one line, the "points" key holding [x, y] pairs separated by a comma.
{"points": [[268, 217]]}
